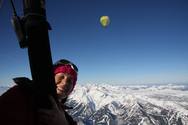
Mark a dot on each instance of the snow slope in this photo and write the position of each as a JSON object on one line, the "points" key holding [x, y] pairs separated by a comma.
{"points": [[129, 105]]}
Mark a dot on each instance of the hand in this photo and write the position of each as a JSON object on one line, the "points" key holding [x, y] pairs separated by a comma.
{"points": [[53, 116]]}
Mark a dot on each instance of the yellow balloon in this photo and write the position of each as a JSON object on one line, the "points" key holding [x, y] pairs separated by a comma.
{"points": [[105, 21]]}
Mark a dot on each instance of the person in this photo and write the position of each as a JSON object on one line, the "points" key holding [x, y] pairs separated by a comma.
{"points": [[18, 105]]}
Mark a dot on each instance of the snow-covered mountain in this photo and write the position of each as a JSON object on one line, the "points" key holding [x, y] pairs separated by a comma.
{"points": [[129, 105]]}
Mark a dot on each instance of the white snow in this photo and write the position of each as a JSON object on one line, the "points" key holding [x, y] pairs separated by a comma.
{"points": [[167, 96]]}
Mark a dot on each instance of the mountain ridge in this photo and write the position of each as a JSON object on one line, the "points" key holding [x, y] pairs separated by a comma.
{"points": [[129, 105]]}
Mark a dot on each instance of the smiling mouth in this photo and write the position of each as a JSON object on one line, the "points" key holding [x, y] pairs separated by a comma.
{"points": [[60, 90]]}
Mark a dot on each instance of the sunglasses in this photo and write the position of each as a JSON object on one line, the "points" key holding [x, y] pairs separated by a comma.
{"points": [[66, 62]]}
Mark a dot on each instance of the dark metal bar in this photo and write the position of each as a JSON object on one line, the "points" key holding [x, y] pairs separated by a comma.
{"points": [[39, 53]]}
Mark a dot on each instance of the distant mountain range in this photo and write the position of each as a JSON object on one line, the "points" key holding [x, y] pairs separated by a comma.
{"points": [[129, 105]]}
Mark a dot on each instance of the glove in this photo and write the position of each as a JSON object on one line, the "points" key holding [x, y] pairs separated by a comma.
{"points": [[53, 116]]}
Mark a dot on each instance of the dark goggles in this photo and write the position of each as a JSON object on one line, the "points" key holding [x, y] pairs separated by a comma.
{"points": [[66, 62]]}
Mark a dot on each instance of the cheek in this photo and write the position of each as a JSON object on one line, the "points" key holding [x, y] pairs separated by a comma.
{"points": [[57, 81], [70, 87]]}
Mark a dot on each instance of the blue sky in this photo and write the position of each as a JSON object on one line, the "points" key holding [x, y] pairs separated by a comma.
{"points": [[146, 41]]}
